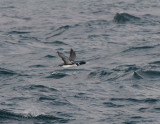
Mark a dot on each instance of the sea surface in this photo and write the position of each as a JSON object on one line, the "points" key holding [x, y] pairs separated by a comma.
{"points": [[119, 40]]}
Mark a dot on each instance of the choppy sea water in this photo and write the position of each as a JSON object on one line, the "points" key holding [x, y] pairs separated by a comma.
{"points": [[119, 40]]}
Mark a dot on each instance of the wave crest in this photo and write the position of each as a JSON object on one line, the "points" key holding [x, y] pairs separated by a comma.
{"points": [[125, 17], [21, 117]]}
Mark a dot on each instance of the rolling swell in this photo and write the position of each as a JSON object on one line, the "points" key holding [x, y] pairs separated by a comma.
{"points": [[125, 17]]}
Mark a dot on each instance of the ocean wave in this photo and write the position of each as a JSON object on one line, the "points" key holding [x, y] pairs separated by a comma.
{"points": [[7, 7], [37, 66], [50, 56], [60, 30], [57, 75], [111, 104], [18, 32], [98, 74], [120, 72], [55, 101], [125, 17], [65, 27], [137, 75], [6, 72], [146, 109], [151, 19], [41, 88], [147, 100], [126, 68], [146, 74], [57, 43], [96, 22], [28, 38], [10, 115], [138, 48], [4, 114], [155, 62]]}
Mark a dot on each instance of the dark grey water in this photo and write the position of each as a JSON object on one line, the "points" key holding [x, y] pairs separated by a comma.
{"points": [[120, 40]]}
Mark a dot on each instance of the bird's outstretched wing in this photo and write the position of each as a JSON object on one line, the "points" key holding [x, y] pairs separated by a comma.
{"points": [[65, 59], [72, 55]]}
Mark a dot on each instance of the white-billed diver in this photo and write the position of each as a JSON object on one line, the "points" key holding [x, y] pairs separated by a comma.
{"points": [[70, 61]]}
